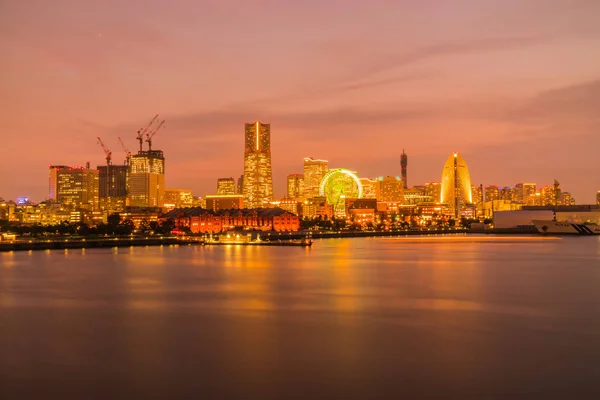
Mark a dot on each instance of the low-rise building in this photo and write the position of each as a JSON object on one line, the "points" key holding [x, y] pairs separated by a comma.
{"points": [[201, 220]]}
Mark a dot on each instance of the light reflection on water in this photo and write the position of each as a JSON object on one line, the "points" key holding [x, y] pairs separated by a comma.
{"points": [[474, 317]]}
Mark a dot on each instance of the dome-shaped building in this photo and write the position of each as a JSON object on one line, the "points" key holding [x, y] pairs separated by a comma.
{"points": [[456, 184]]}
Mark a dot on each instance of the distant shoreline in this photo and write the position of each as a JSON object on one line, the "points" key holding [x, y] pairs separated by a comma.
{"points": [[269, 238]]}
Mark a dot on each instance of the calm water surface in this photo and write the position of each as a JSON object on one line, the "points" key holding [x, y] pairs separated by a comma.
{"points": [[349, 318]]}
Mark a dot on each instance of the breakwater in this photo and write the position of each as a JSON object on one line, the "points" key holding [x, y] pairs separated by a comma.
{"points": [[61, 244]]}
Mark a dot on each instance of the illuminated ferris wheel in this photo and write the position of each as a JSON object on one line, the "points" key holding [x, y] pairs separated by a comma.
{"points": [[339, 184]]}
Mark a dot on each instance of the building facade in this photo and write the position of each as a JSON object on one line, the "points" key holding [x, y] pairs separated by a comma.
{"points": [[258, 175], [178, 198], [226, 186], [369, 188], [113, 187], [390, 189], [77, 187], [492, 193], [200, 220], [295, 186], [53, 171], [147, 179], [224, 202], [314, 171]]}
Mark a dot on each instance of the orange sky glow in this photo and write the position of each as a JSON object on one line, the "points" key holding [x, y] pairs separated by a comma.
{"points": [[514, 86]]}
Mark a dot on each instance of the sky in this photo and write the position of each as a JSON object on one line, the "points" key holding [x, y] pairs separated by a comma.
{"points": [[514, 86]]}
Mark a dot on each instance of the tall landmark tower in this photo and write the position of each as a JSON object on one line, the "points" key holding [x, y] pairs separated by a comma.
{"points": [[404, 166], [257, 186], [456, 184]]}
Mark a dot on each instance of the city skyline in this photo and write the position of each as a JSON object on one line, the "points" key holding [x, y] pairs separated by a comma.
{"points": [[432, 79]]}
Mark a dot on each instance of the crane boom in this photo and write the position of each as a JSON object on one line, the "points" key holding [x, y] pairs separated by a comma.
{"points": [[150, 135], [107, 152], [143, 131], [126, 150]]}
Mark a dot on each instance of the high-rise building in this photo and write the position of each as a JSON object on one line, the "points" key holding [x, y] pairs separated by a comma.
{"points": [[477, 194], [147, 179], [314, 171], [456, 184], [518, 194], [433, 190], [566, 199], [178, 198], [492, 193], [546, 196], [529, 193], [53, 179], [112, 187], [225, 186], [404, 169], [369, 188], [77, 187], [240, 185], [505, 193], [295, 186], [258, 174], [598, 198], [390, 189]]}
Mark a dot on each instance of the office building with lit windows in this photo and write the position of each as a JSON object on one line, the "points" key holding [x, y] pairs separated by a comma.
{"points": [[492, 193], [77, 187], [369, 188], [314, 171], [147, 179], [529, 193], [226, 186], [456, 184], [390, 189], [53, 180], [257, 187], [178, 198], [295, 186], [112, 187]]}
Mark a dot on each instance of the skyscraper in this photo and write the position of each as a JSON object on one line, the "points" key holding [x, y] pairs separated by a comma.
{"points": [[529, 191], [492, 193], [225, 186], [295, 186], [147, 179], [389, 189], [476, 194], [598, 198], [53, 180], [112, 188], [258, 175], [77, 187], [456, 184], [404, 168], [314, 171], [240, 185]]}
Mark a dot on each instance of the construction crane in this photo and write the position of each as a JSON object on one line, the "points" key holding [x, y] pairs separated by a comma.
{"points": [[143, 131], [151, 134], [127, 152], [107, 152]]}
